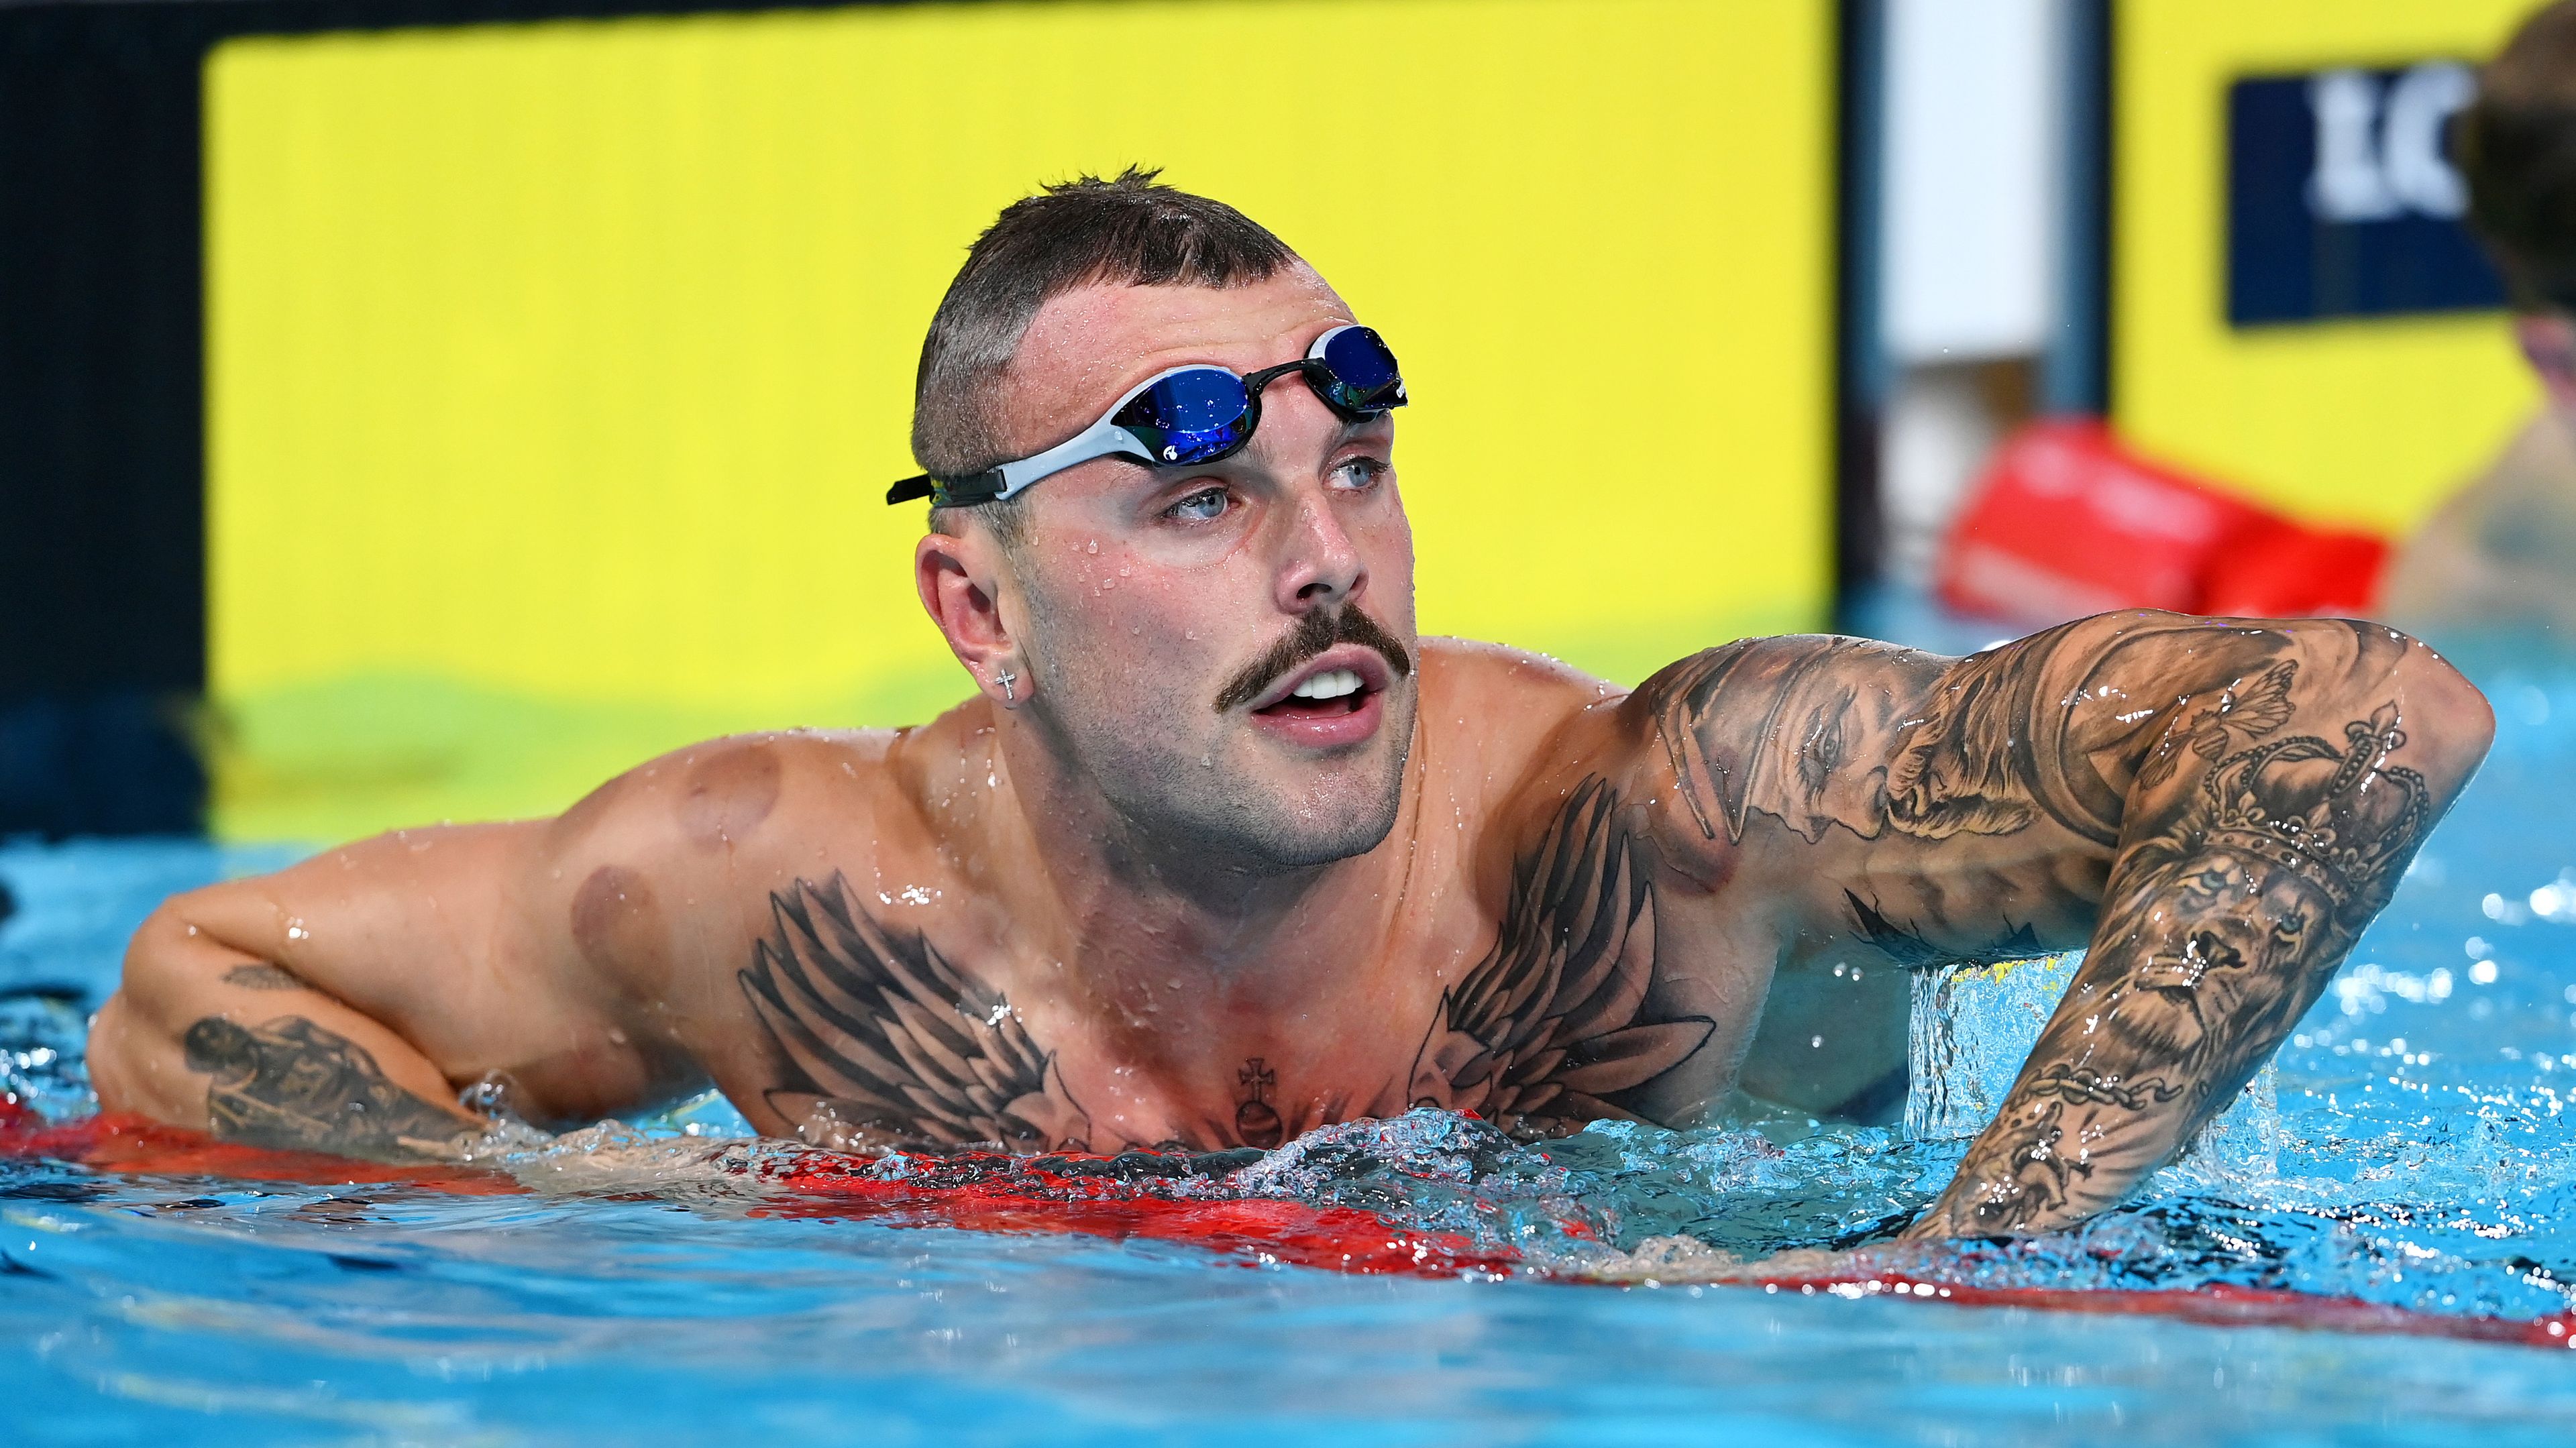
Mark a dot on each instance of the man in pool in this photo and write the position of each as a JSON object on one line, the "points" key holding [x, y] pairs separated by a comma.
{"points": [[1221, 850]]}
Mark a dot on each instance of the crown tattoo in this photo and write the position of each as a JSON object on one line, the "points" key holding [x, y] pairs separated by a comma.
{"points": [[2339, 818]]}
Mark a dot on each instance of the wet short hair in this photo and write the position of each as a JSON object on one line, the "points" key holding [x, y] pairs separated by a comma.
{"points": [[1128, 230], [2516, 146]]}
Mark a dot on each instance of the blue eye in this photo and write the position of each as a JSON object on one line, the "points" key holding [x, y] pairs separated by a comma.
{"points": [[1359, 472], [1205, 505]]}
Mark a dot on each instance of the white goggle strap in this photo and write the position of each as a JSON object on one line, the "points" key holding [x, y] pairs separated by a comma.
{"points": [[1102, 439]]}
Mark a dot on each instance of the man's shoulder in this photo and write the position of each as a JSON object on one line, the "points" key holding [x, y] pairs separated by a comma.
{"points": [[742, 790], [1461, 670], [1509, 732]]}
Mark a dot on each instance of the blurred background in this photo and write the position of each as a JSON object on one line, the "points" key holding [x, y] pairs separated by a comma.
{"points": [[425, 409]]}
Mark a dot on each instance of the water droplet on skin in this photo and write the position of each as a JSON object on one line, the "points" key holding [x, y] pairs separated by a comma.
{"points": [[1091, 547]]}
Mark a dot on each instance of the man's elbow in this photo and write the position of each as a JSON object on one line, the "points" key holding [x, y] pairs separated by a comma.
{"points": [[132, 1042], [2449, 723]]}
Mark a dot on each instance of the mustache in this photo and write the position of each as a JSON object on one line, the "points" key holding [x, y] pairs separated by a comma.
{"points": [[1315, 633]]}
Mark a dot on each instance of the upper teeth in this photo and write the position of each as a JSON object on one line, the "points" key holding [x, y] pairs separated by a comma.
{"points": [[1330, 684]]}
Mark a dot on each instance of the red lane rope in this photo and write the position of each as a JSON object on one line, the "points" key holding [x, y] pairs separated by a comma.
{"points": [[135, 1146], [998, 1194], [993, 1193]]}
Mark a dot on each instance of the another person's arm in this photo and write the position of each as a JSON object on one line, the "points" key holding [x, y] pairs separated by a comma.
{"points": [[2218, 809]]}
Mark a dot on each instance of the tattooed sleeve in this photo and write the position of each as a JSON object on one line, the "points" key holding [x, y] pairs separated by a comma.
{"points": [[2221, 929], [2227, 804]]}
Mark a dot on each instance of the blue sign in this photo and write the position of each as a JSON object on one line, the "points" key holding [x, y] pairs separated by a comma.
{"points": [[2342, 200]]}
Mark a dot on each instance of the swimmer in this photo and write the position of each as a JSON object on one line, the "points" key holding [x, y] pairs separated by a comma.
{"points": [[2502, 550], [1221, 849]]}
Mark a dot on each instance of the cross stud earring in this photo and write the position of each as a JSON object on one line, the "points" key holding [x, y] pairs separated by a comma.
{"points": [[1008, 681]]}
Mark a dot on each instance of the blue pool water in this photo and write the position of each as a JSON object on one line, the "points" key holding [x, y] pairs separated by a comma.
{"points": [[2418, 1153]]}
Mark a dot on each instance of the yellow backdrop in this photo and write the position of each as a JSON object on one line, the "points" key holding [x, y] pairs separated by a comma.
{"points": [[556, 371], [2366, 422]]}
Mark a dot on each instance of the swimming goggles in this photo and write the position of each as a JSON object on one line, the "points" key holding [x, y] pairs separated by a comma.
{"points": [[1189, 415]]}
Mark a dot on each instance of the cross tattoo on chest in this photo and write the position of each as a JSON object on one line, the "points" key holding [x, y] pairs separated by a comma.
{"points": [[1256, 1121]]}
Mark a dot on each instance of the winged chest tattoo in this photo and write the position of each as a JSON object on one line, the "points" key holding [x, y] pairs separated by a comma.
{"points": [[887, 1043], [1551, 1030], [881, 1040]]}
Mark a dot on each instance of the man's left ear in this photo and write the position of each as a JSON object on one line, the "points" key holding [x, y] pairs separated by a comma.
{"points": [[960, 589]]}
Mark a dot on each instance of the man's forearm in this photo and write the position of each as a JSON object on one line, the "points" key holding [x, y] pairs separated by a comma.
{"points": [[2229, 908], [2131, 1064], [209, 1036]]}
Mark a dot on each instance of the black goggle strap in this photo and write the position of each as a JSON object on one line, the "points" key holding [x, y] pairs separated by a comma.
{"points": [[983, 487]]}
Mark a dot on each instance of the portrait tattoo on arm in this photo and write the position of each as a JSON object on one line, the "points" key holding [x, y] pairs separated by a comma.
{"points": [[297, 1086], [1552, 1029], [1823, 734], [883, 1042]]}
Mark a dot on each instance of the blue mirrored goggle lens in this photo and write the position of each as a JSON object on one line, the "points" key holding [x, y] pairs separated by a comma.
{"points": [[1364, 372], [1190, 416]]}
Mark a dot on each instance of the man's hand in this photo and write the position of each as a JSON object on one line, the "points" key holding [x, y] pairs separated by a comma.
{"points": [[2224, 805]]}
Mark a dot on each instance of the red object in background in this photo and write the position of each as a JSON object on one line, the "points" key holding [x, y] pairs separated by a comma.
{"points": [[2067, 522]]}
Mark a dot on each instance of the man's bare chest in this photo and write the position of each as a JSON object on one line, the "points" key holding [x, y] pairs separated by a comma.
{"points": [[1566, 998]]}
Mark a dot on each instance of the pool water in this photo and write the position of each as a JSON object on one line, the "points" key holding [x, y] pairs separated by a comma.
{"points": [[659, 1284]]}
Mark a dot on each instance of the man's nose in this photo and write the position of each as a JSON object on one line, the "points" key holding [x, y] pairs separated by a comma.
{"points": [[1320, 565]]}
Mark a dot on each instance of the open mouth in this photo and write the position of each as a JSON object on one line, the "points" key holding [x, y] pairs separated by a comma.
{"points": [[1332, 702], [1328, 694]]}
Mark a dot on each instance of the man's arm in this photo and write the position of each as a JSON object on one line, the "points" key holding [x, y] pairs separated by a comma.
{"points": [[341, 1004], [2219, 807]]}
